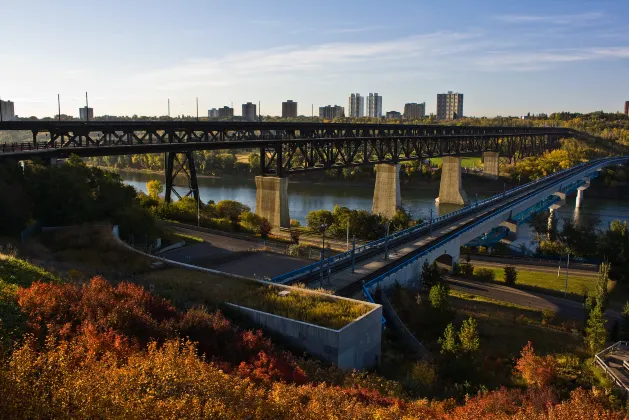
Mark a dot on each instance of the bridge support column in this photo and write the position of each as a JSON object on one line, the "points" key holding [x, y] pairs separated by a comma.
{"points": [[580, 192], [491, 165], [512, 225], [386, 195], [451, 190], [272, 200], [176, 165]]}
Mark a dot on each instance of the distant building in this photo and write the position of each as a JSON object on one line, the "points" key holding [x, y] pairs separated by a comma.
{"points": [[330, 112], [394, 115], [289, 109], [225, 112], [7, 110], [356, 105], [86, 114], [627, 108], [249, 112], [449, 106], [212, 113], [374, 105], [414, 111]]}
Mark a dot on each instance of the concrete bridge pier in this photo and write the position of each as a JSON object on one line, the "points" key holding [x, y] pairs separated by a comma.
{"points": [[272, 200], [512, 225], [491, 165], [580, 192], [451, 189], [386, 195]]}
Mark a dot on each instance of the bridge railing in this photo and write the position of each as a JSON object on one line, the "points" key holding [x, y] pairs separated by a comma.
{"points": [[451, 236], [379, 243]]}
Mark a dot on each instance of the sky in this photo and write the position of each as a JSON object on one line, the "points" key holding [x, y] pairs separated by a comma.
{"points": [[507, 57]]}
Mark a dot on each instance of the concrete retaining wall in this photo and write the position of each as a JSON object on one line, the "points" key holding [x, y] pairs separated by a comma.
{"points": [[355, 346]]}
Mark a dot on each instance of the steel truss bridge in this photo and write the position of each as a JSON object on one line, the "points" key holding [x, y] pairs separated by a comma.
{"points": [[285, 148]]}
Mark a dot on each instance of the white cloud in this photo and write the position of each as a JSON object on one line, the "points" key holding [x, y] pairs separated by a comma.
{"points": [[555, 19]]}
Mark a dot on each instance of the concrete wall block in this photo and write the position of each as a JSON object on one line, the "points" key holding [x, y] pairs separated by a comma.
{"points": [[386, 196], [272, 200], [491, 164]]}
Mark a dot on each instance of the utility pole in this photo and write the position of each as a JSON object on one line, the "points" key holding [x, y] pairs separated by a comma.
{"points": [[322, 229], [386, 241], [567, 267], [353, 253], [347, 243]]}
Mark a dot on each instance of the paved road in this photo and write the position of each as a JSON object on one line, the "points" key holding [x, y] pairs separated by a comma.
{"points": [[565, 308], [533, 267], [232, 255]]}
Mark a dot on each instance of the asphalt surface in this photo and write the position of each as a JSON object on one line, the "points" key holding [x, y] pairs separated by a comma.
{"points": [[232, 255], [564, 308]]}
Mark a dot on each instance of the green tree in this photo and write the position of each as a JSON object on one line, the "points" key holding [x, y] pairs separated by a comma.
{"points": [[601, 291], [155, 188], [468, 336], [448, 342], [438, 296], [231, 210], [316, 218], [595, 332], [511, 275], [431, 275]]}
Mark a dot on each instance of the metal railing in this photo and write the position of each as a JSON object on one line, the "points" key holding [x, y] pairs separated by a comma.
{"points": [[346, 257], [599, 361]]}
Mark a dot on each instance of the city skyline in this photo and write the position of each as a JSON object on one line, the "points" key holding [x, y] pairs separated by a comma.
{"points": [[549, 58]]}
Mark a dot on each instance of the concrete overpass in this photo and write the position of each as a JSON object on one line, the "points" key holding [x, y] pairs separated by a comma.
{"points": [[440, 238]]}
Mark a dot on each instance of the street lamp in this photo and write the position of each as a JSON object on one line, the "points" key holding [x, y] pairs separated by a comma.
{"points": [[386, 240], [322, 229]]}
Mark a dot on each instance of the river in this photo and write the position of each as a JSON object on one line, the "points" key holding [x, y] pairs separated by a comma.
{"points": [[419, 199]]}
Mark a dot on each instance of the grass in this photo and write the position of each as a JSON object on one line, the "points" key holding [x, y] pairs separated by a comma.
{"points": [[466, 162], [545, 281], [483, 299], [186, 288], [189, 239], [504, 329]]}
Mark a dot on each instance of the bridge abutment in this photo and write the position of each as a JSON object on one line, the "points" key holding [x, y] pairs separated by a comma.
{"points": [[272, 200], [451, 189], [386, 196], [491, 165]]}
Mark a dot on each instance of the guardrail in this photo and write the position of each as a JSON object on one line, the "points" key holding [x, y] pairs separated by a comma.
{"points": [[379, 243], [599, 361], [451, 236]]}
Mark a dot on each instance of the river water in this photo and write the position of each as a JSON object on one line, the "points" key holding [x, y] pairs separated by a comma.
{"points": [[304, 197]]}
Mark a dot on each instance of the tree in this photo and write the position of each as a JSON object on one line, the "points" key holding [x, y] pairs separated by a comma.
{"points": [[294, 235], [511, 275], [438, 296], [535, 370], [231, 210], [595, 332], [155, 188], [316, 218], [624, 326], [468, 336], [448, 342], [431, 275], [601, 292]]}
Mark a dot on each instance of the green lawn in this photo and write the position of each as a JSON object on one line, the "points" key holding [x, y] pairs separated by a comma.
{"points": [[550, 281], [466, 162]]}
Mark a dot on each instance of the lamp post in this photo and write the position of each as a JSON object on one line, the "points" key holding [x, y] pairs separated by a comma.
{"points": [[386, 240], [322, 229]]}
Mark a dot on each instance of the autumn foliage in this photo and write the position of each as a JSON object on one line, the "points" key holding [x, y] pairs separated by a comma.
{"points": [[536, 370], [105, 351]]}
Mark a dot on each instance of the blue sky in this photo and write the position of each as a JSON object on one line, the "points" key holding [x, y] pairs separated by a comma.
{"points": [[508, 57]]}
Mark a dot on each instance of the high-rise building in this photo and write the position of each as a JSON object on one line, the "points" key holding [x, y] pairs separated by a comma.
{"points": [[212, 113], [225, 112], [356, 105], [330, 112], [249, 112], [86, 114], [289, 109], [394, 115], [414, 111], [7, 110], [449, 106], [374, 105], [627, 108]]}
